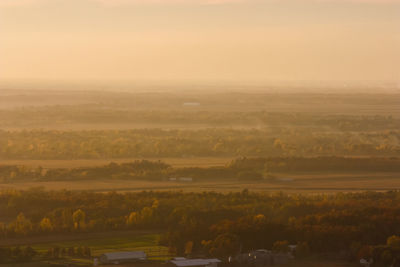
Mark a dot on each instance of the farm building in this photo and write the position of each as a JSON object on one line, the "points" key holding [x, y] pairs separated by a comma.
{"points": [[122, 257], [183, 262]]}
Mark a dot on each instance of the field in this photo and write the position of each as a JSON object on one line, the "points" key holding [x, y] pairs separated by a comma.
{"points": [[99, 243], [112, 241], [120, 241], [291, 183], [74, 130]]}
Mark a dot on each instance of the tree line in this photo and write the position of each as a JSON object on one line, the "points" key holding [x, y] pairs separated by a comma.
{"points": [[150, 143], [353, 225], [98, 114], [243, 169]]}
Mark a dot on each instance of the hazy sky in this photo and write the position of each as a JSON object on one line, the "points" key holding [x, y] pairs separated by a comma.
{"points": [[217, 40]]}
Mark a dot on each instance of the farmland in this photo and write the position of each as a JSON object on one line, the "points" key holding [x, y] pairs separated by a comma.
{"points": [[300, 183], [99, 243], [117, 241], [204, 133], [102, 172]]}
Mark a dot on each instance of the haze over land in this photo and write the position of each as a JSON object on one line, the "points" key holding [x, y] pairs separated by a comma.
{"points": [[200, 41], [251, 132], [69, 138]]}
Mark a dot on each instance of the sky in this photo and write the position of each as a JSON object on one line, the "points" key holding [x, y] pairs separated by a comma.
{"points": [[200, 40]]}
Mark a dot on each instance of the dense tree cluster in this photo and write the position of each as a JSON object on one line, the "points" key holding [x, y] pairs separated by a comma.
{"points": [[243, 169], [139, 170], [218, 224]]}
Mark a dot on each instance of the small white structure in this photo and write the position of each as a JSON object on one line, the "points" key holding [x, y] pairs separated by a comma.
{"points": [[183, 262], [121, 257]]}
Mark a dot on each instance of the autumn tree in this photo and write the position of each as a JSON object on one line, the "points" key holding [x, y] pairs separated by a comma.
{"points": [[132, 219], [46, 225], [224, 245], [189, 247], [393, 241], [22, 225], [79, 219]]}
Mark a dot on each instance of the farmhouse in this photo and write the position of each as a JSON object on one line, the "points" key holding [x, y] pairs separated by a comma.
{"points": [[122, 257], [183, 262]]}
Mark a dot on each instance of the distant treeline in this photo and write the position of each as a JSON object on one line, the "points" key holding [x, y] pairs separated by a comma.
{"points": [[246, 169], [53, 116], [352, 225], [140, 143]]}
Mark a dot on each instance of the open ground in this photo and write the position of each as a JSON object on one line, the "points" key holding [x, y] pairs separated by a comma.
{"points": [[290, 183]]}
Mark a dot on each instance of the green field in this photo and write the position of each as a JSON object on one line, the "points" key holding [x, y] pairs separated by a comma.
{"points": [[99, 243], [121, 242]]}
